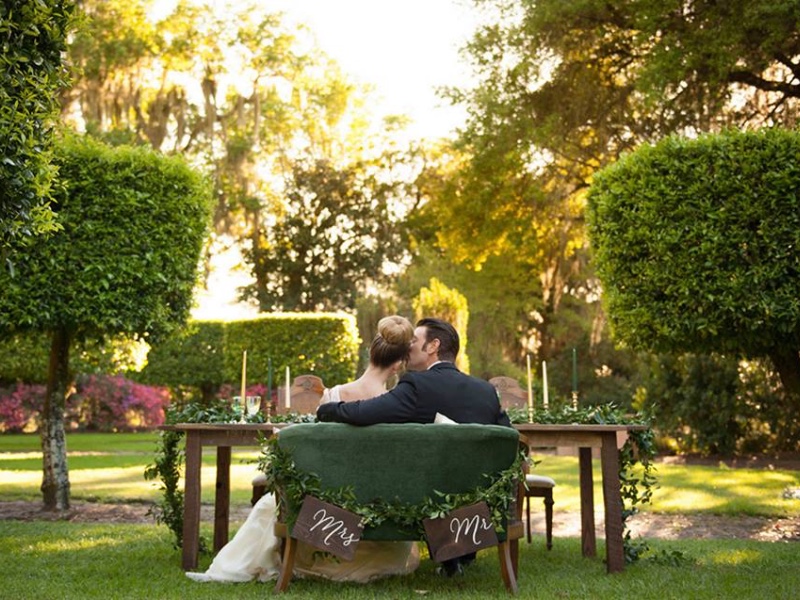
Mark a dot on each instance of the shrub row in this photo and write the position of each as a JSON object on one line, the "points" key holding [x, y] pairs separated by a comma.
{"points": [[208, 354], [99, 403]]}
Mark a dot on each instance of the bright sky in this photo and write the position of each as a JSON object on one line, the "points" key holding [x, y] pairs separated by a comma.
{"points": [[406, 48]]}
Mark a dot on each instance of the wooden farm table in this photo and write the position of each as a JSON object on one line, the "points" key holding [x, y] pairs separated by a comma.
{"points": [[223, 436], [609, 439]]}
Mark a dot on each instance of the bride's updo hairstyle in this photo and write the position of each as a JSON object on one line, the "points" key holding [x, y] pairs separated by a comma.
{"points": [[392, 342]]}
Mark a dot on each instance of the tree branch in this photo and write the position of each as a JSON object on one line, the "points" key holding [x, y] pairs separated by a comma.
{"points": [[756, 81]]}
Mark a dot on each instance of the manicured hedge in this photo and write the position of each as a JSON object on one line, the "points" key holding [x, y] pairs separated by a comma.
{"points": [[208, 354]]}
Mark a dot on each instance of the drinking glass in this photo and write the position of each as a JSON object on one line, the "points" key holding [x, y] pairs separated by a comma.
{"points": [[252, 405], [240, 402]]}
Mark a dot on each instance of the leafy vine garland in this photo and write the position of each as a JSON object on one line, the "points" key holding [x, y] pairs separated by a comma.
{"points": [[170, 456], [283, 477], [636, 472], [636, 467]]}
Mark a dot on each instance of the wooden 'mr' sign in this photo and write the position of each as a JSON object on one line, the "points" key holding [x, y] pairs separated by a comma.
{"points": [[328, 527], [460, 532]]}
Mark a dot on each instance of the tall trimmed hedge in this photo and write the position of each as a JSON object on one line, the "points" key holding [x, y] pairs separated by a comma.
{"points": [[696, 243], [208, 354], [32, 72]]}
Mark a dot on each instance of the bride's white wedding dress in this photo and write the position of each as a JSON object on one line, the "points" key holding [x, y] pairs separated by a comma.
{"points": [[254, 552]]}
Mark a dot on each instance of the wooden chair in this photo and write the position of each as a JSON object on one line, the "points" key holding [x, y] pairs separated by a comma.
{"points": [[383, 462], [510, 392], [539, 486], [536, 486], [305, 394]]}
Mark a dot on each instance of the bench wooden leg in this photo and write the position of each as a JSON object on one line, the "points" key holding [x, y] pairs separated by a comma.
{"points": [[507, 569], [287, 564]]}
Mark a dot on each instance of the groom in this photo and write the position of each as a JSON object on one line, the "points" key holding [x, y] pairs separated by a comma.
{"points": [[432, 385]]}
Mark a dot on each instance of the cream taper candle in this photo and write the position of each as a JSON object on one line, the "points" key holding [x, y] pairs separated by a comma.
{"points": [[530, 391], [288, 390], [545, 395], [244, 376]]}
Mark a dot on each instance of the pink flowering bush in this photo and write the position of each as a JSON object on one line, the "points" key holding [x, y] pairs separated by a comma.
{"points": [[20, 406], [114, 403], [98, 403]]}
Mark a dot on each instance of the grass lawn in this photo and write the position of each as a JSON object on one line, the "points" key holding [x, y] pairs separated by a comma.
{"points": [[109, 467], [78, 561], [63, 560]]}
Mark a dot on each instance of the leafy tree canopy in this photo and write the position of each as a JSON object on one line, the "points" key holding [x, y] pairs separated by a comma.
{"points": [[126, 260], [696, 244], [32, 40], [332, 238]]}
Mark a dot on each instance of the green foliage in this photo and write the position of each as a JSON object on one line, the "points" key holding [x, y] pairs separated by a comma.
{"points": [[450, 305], [207, 354], [192, 356], [561, 89], [714, 404], [24, 357], [33, 38], [126, 260], [695, 241], [323, 344], [333, 236]]}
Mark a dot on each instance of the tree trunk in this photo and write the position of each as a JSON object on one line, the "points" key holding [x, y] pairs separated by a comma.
{"points": [[55, 480], [787, 362]]}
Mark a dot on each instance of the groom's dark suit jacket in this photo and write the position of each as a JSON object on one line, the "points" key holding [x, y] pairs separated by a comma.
{"points": [[417, 398]]}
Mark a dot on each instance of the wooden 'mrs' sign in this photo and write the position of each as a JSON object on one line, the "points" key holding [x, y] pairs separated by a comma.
{"points": [[460, 532], [328, 527]]}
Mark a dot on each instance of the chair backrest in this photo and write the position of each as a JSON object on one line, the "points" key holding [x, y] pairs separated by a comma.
{"points": [[304, 397], [511, 394], [405, 462]]}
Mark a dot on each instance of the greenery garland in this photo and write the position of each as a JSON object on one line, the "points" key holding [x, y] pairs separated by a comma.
{"points": [[170, 456], [636, 482], [291, 485]]}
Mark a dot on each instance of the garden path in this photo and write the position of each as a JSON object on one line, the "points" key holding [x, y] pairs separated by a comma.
{"points": [[565, 524]]}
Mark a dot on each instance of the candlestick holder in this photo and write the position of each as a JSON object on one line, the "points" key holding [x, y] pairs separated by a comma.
{"points": [[530, 414], [575, 400]]}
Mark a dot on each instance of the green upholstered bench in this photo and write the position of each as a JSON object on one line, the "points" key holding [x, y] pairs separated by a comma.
{"points": [[406, 463]]}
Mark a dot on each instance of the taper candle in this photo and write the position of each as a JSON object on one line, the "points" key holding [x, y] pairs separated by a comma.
{"points": [[545, 395], [530, 391], [244, 376], [574, 370], [269, 380], [288, 391]]}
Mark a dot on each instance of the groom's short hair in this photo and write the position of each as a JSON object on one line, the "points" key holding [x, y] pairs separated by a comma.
{"points": [[436, 329]]}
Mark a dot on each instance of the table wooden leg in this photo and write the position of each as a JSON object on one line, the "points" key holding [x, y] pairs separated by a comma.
{"points": [[222, 497], [191, 502], [588, 535], [612, 501]]}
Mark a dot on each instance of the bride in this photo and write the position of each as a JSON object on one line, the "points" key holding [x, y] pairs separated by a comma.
{"points": [[254, 552]]}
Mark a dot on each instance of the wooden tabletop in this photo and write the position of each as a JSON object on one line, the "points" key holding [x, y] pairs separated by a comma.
{"points": [[222, 426], [595, 428]]}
